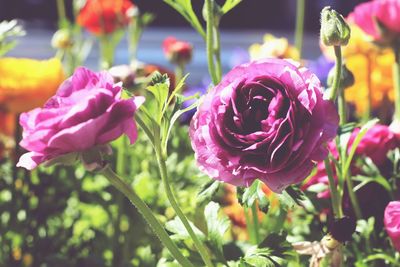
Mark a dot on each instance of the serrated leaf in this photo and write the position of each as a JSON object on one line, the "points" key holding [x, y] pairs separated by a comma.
{"points": [[249, 196], [217, 225], [208, 190], [176, 227]]}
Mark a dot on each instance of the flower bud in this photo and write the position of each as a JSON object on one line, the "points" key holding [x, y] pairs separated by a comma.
{"points": [[334, 29], [177, 52], [62, 39], [347, 77], [124, 74]]}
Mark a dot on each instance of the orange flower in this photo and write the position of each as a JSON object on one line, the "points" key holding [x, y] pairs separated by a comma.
{"points": [[105, 16], [27, 83], [372, 69]]}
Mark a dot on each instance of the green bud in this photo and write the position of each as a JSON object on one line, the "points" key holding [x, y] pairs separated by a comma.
{"points": [[157, 77], [334, 29], [347, 77], [62, 39]]}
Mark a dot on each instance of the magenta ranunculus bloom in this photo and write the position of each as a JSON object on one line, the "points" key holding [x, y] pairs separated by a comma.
{"points": [[385, 12], [266, 119], [392, 222], [86, 111]]}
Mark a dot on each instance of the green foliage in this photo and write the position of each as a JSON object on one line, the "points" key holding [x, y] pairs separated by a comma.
{"points": [[248, 196]]}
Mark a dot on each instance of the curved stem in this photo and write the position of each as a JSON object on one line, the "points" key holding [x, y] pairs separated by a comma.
{"points": [[210, 41], [217, 53], [338, 74], [342, 107], [170, 195], [298, 38], [336, 203], [124, 188]]}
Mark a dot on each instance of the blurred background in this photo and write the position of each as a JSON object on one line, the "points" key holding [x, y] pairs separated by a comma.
{"points": [[240, 28]]}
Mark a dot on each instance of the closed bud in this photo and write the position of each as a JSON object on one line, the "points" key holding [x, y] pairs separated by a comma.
{"points": [[176, 51], [346, 80], [62, 39], [334, 29]]}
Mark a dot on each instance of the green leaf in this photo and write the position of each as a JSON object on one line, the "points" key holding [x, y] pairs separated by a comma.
{"points": [[217, 225], [250, 195], [357, 140], [208, 190], [229, 5], [176, 227], [160, 90]]}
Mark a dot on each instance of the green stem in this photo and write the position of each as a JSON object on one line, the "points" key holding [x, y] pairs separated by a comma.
{"points": [[210, 41], [338, 74], [106, 52], [249, 226], [170, 195], [179, 72], [352, 195], [62, 18], [255, 223], [124, 188], [342, 107], [336, 203], [217, 53], [396, 80], [298, 38]]}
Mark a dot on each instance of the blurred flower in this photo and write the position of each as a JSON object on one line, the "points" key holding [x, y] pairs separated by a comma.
{"points": [[86, 112], [375, 144], [176, 51], [392, 223], [378, 18], [266, 119], [124, 74], [62, 39], [28, 83], [9, 30], [200, 89], [273, 48], [105, 16], [372, 70], [321, 68]]}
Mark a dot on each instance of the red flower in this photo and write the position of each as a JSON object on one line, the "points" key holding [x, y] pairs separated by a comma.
{"points": [[176, 51], [105, 16]]}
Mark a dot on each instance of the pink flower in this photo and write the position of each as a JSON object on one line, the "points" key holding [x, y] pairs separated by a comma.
{"points": [[176, 51], [375, 144], [392, 222], [266, 119], [370, 14], [86, 111]]}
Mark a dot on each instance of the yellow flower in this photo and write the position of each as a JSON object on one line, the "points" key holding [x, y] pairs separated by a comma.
{"points": [[273, 48], [372, 69], [27, 83]]}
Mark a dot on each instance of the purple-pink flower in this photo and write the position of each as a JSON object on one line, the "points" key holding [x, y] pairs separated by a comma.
{"points": [[392, 223], [377, 12], [86, 111], [266, 119]]}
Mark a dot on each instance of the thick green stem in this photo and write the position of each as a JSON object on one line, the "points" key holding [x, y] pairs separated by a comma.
{"points": [[342, 107], [338, 74], [124, 188], [106, 52], [353, 198], [254, 213], [298, 38], [210, 41], [396, 80], [249, 225], [179, 72], [170, 195], [217, 53], [62, 18], [336, 203]]}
